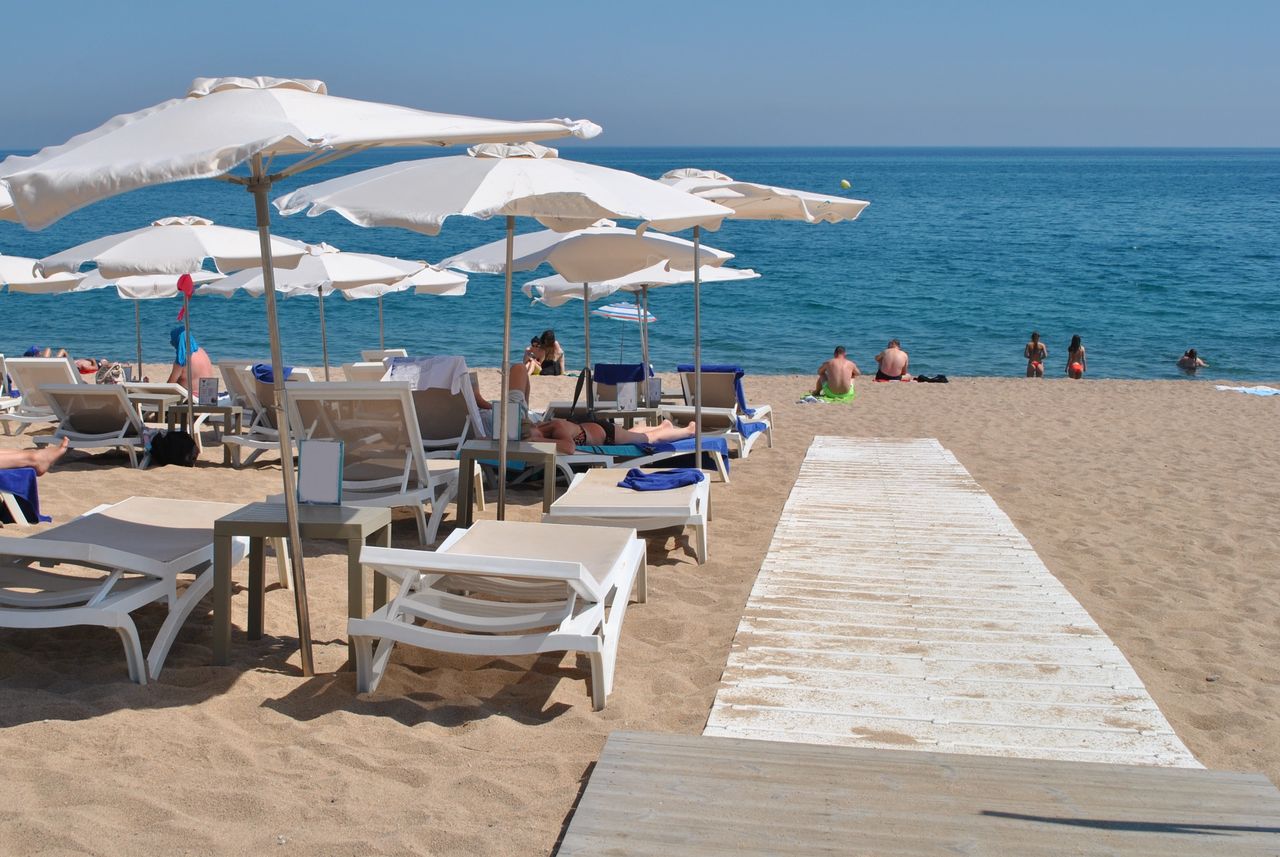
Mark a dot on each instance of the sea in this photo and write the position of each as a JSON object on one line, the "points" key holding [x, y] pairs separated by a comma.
{"points": [[962, 253]]}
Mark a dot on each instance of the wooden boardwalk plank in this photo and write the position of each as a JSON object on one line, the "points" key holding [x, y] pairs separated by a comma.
{"points": [[898, 606], [654, 794]]}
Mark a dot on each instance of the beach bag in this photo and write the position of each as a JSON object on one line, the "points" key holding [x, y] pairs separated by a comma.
{"points": [[173, 447], [110, 373], [932, 379]]}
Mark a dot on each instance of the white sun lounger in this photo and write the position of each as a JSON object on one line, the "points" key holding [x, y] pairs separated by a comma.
{"points": [[94, 416], [136, 549], [375, 355], [562, 588], [722, 413], [257, 399], [594, 498], [29, 374], [367, 372]]}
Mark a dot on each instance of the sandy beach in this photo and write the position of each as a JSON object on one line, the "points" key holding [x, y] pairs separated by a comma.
{"points": [[1153, 502]]}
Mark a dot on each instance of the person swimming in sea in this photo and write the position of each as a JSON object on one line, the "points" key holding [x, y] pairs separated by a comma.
{"points": [[1035, 352], [1076, 362], [1189, 362]]}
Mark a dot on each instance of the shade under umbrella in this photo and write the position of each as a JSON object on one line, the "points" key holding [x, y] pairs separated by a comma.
{"points": [[529, 182], [222, 124], [326, 269]]}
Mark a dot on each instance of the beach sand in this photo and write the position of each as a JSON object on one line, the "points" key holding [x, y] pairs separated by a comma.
{"points": [[1154, 502]]}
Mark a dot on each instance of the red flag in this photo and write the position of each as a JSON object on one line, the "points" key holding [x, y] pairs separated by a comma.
{"points": [[187, 286]]}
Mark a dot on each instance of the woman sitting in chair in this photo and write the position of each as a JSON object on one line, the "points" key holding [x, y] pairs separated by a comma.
{"points": [[569, 435]]}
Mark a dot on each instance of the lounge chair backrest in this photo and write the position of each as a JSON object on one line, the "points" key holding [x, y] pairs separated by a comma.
{"points": [[93, 409], [445, 420], [718, 389], [378, 355], [155, 387], [4, 378], [31, 373], [232, 380], [365, 373], [260, 397], [375, 422]]}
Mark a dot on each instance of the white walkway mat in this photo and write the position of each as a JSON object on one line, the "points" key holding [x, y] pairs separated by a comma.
{"points": [[899, 607]]}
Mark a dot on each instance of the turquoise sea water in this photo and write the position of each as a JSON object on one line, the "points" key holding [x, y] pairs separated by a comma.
{"points": [[962, 253]]}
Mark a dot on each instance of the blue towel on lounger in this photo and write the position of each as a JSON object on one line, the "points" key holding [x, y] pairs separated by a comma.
{"points": [[21, 483], [262, 371], [660, 480]]}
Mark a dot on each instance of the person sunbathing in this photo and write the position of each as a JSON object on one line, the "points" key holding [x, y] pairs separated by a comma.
{"points": [[569, 435], [41, 458], [835, 377], [893, 363]]}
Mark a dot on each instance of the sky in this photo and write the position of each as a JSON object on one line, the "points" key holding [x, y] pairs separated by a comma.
{"points": [[889, 73]]}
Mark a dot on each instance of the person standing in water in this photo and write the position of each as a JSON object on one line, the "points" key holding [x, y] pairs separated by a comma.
{"points": [[1189, 362], [1076, 362], [1035, 352]]}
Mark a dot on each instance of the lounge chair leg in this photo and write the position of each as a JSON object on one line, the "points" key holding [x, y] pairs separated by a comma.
{"points": [[132, 648], [366, 680], [178, 613], [700, 534], [423, 529], [599, 691], [478, 490]]}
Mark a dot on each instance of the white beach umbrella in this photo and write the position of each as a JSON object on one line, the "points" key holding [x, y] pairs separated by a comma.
{"points": [[224, 123], [751, 201], [355, 275], [19, 274], [523, 181], [558, 290], [625, 312], [7, 211], [173, 245]]}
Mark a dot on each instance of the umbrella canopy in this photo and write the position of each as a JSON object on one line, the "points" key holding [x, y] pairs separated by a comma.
{"points": [[524, 181], [751, 201], [225, 122], [625, 312], [222, 124], [558, 290], [326, 269], [7, 211], [517, 181], [19, 274], [590, 255], [173, 245]]}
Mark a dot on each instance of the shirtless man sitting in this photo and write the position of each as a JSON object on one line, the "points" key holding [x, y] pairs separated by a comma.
{"points": [[893, 363], [835, 377], [569, 435]]}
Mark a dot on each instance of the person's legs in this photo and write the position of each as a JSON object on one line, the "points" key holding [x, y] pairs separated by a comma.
{"points": [[520, 380], [817, 386], [41, 458], [661, 433]]}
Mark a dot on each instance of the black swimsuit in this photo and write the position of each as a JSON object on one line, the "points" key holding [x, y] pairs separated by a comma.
{"points": [[580, 439]]}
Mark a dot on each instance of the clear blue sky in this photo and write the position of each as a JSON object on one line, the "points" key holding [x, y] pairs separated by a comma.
{"points": [[895, 72]]}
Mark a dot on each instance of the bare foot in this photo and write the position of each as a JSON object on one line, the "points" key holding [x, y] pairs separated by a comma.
{"points": [[47, 455]]}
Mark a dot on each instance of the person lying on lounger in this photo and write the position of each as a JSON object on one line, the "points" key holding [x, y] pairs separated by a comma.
{"points": [[569, 435], [41, 459]]}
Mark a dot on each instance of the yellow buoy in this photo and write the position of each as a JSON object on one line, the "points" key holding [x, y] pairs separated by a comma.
{"points": [[844, 183]]}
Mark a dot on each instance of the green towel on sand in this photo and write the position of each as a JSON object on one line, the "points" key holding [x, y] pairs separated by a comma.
{"points": [[830, 398]]}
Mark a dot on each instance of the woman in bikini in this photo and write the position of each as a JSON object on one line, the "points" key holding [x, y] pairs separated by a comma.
{"points": [[1035, 352], [552, 354], [1076, 363], [568, 434]]}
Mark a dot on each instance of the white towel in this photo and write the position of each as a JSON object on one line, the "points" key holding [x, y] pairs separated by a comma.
{"points": [[1259, 390], [430, 373]]}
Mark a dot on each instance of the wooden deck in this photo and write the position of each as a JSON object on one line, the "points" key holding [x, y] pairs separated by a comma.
{"points": [[656, 794], [899, 607]]}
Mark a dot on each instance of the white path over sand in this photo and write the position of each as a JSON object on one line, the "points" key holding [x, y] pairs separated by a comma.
{"points": [[898, 606]]}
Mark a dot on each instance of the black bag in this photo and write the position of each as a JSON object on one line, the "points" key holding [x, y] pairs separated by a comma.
{"points": [[932, 379], [174, 447]]}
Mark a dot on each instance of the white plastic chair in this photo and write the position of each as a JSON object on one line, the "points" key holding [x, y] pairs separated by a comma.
{"points": [[137, 548], [504, 588], [93, 416], [29, 374]]}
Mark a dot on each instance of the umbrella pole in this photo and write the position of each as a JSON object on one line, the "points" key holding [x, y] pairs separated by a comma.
{"points": [[260, 186], [324, 337], [500, 424], [191, 388], [644, 344], [586, 359], [697, 347], [137, 327], [382, 340]]}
